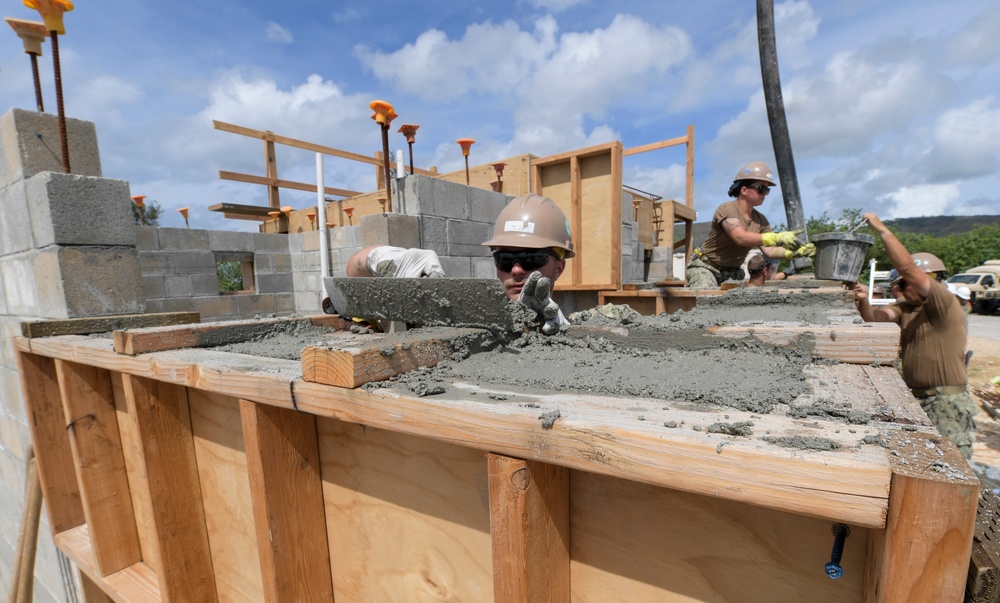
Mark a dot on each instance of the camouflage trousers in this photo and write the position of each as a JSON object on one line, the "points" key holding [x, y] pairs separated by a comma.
{"points": [[953, 415], [699, 274]]}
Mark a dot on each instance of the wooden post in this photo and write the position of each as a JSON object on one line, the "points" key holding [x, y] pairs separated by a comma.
{"points": [[529, 525], [271, 164]]}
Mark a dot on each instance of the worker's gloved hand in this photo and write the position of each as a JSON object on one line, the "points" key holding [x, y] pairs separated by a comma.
{"points": [[789, 270], [807, 250], [787, 239], [536, 296]]}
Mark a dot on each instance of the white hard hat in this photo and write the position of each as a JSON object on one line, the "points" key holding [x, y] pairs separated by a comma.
{"points": [[963, 292]]}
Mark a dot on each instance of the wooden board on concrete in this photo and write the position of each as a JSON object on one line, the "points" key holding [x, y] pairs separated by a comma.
{"points": [[157, 339], [105, 324], [873, 343]]}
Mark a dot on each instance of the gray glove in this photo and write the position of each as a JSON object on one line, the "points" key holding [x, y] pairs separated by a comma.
{"points": [[535, 295]]}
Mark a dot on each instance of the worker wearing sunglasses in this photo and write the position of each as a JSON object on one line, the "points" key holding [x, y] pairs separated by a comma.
{"points": [[531, 242], [736, 228]]}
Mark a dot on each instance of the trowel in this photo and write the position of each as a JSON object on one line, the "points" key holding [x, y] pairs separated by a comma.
{"points": [[456, 302]]}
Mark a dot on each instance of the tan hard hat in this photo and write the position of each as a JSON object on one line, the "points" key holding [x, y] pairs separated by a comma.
{"points": [[756, 170], [928, 262], [533, 222]]}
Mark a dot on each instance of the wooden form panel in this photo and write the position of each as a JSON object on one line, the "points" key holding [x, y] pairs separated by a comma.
{"points": [[586, 185], [283, 464], [408, 517], [53, 455], [162, 423], [88, 403]]}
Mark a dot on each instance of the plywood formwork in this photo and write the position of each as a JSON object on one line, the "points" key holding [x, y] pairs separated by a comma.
{"points": [[240, 480]]}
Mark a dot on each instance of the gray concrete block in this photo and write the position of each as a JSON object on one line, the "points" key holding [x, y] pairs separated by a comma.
{"points": [[215, 307], [33, 284], [345, 255], [15, 220], [274, 283], [3, 298], [345, 236], [184, 239], [269, 243], [30, 144], [178, 286], [285, 302], [282, 262], [308, 301], [101, 280], [475, 251], [438, 247], [483, 268], [79, 210], [457, 267], [450, 200], [204, 284], [177, 304], [302, 261], [485, 206], [191, 262], [307, 241], [393, 229], [11, 400], [468, 233], [154, 306], [433, 230], [147, 238], [263, 263], [221, 240], [250, 305], [153, 287]]}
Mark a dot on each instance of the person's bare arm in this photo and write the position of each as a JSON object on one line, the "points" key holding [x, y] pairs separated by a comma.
{"points": [[357, 265], [741, 236], [901, 259]]}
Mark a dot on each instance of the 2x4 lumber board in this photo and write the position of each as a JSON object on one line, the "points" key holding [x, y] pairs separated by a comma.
{"points": [[104, 324], [584, 152], [54, 458], [529, 527], [279, 182], [376, 358], [134, 583], [846, 343], [670, 142], [287, 495], [92, 424], [689, 175], [266, 380], [253, 212], [159, 339], [682, 213], [301, 144], [162, 422], [923, 553]]}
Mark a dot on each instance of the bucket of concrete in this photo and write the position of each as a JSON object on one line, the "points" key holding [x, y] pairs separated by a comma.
{"points": [[840, 256]]}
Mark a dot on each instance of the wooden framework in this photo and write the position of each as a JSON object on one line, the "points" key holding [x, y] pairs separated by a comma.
{"points": [[197, 475]]}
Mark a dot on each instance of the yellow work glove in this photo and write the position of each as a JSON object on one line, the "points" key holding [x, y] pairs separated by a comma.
{"points": [[787, 239], [807, 250]]}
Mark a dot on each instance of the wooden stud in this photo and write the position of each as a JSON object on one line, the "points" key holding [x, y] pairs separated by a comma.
{"points": [[162, 423], [47, 422], [529, 526], [287, 493], [355, 366], [89, 406], [102, 324]]}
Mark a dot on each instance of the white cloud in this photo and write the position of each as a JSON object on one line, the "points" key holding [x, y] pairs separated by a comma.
{"points": [[277, 33], [556, 6], [921, 200], [966, 142]]}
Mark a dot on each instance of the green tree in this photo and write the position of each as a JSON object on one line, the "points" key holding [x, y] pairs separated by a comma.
{"points": [[149, 215], [230, 276]]}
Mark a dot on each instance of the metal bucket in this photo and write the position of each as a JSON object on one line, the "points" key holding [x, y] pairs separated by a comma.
{"points": [[840, 256]]}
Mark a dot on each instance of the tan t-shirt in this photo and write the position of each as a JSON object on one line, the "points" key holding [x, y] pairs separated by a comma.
{"points": [[932, 340], [720, 249]]}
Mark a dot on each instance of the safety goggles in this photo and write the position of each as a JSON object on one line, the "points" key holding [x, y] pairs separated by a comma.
{"points": [[763, 189], [528, 260]]}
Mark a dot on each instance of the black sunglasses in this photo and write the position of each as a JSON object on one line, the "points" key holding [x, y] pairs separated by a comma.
{"points": [[761, 188], [528, 260]]}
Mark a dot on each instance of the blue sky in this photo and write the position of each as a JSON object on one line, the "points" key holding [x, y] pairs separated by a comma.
{"points": [[892, 106]]}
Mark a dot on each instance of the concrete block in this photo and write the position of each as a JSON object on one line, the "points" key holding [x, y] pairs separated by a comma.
{"points": [[79, 210], [11, 400], [155, 306], [433, 230], [345, 236], [221, 240], [250, 305], [190, 262], [184, 239], [15, 220], [30, 144], [282, 262], [154, 263], [204, 284], [457, 267], [33, 284], [101, 280], [468, 233], [177, 304], [302, 261], [285, 302], [263, 263], [475, 251], [147, 238], [153, 287], [274, 283], [3, 298], [14, 437], [178, 286], [269, 243], [345, 255], [308, 302], [450, 200], [307, 241], [483, 268], [485, 206], [215, 307], [393, 229]]}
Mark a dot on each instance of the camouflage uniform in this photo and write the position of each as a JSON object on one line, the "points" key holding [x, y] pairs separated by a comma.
{"points": [[702, 275], [953, 415]]}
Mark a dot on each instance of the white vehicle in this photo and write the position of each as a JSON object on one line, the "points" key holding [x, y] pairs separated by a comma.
{"points": [[979, 280]]}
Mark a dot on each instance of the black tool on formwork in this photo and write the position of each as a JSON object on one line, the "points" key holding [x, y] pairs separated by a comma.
{"points": [[779, 127], [455, 302]]}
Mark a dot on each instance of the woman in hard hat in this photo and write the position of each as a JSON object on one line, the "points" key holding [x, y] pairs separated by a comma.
{"points": [[736, 228]]}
